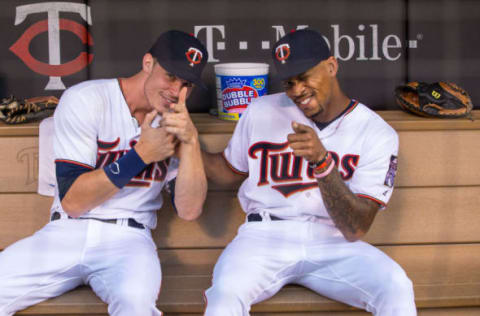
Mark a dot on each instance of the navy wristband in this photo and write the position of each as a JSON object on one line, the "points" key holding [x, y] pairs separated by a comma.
{"points": [[120, 172]]}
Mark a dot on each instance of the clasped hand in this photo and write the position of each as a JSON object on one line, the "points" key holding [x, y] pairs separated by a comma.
{"points": [[157, 144]]}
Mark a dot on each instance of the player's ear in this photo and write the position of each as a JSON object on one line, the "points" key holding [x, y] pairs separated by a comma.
{"points": [[332, 66], [148, 62], [190, 89]]}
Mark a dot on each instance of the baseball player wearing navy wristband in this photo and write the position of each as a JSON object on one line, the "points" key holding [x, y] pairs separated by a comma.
{"points": [[118, 143], [315, 167]]}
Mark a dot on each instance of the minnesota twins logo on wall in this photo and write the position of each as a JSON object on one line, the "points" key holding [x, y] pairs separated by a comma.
{"points": [[53, 25], [29, 156]]}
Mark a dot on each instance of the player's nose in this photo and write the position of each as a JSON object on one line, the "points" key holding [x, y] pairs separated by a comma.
{"points": [[175, 88], [298, 89]]}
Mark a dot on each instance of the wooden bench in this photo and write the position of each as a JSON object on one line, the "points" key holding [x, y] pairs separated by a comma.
{"points": [[431, 227]]}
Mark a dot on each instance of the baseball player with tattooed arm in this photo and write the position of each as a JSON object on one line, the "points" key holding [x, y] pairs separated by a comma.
{"points": [[315, 167], [118, 143]]}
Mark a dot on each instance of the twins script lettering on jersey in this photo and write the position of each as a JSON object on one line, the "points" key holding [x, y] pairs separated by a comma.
{"points": [[106, 154], [284, 170]]}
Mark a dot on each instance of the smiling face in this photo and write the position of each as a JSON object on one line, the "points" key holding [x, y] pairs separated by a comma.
{"points": [[162, 88], [312, 90]]}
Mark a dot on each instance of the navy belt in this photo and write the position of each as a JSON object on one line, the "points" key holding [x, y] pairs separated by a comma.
{"points": [[131, 222], [255, 217]]}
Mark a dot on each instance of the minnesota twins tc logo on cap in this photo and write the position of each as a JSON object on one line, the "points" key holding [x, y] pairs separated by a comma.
{"points": [[282, 52], [194, 56]]}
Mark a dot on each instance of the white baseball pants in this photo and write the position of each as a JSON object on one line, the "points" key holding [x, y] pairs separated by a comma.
{"points": [[265, 256], [120, 263]]}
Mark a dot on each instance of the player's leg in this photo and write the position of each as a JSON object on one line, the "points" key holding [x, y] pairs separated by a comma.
{"points": [[251, 269], [125, 270], [41, 266], [360, 275]]}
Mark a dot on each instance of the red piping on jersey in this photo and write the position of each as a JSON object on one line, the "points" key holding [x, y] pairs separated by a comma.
{"points": [[74, 163], [372, 198], [353, 104], [232, 168], [134, 183]]}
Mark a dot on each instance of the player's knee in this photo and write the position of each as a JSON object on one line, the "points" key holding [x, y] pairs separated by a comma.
{"points": [[395, 297], [397, 289], [5, 312], [130, 302], [220, 299]]}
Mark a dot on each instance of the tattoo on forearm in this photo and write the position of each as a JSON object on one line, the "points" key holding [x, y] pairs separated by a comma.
{"points": [[351, 214]]}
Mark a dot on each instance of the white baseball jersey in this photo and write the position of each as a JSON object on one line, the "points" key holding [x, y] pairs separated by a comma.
{"points": [[93, 128], [306, 248], [363, 145]]}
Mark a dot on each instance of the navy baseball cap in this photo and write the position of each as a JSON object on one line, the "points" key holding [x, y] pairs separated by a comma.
{"points": [[181, 54], [299, 51]]}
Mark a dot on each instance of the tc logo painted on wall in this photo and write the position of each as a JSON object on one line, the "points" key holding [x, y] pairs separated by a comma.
{"points": [[53, 25], [29, 157]]}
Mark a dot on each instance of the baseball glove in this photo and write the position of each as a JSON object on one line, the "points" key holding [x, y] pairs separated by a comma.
{"points": [[439, 99], [8, 105], [32, 109]]}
